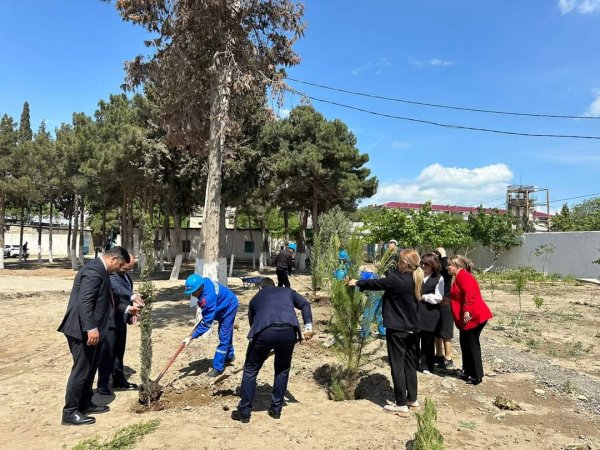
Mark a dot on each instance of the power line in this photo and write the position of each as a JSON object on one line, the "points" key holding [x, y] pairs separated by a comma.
{"points": [[438, 124], [572, 198], [434, 105]]}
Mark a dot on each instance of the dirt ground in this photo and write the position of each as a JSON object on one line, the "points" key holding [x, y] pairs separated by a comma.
{"points": [[549, 364]]}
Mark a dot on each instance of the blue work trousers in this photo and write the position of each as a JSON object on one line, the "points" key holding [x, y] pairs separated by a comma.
{"points": [[372, 312], [225, 351]]}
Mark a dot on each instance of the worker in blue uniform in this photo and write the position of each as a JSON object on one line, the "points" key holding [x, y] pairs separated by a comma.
{"points": [[216, 303]]}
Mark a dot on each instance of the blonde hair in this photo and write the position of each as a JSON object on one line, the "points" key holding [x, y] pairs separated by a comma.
{"points": [[462, 262], [412, 261]]}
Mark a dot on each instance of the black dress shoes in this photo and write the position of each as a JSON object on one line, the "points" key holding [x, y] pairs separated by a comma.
{"points": [[474, 381], [126, 386], [235, 415], [273, 414], [78, 418], [104, 390], [96, 409]]}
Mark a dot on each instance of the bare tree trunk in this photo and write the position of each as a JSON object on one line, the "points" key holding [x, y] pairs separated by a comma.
{"points": [[129, 242], [81, 232], [315, 193], [264, 246], [124, 211], [69, 234], [300, 261], [72, 252], [21, 233], [50, 257], [177, 247], [163, 247], [40, 234], [2, 224], [233, 244], [219, 113]]}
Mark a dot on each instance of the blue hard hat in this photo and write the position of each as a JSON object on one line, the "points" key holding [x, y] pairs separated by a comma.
{"points": [[292, 246], [367, 276], [343, 255], [340, 274], [193, 283]]}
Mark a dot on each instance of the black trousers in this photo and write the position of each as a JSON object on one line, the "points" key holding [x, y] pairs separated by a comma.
{"points": [[282, 278], [281, 340], [427, 350], [471, 352], [112, 351], [79, 386], [403, 353]]}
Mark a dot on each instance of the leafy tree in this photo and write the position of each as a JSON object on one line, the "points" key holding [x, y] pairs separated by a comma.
{"points": [[586, 215], [563, 221], [494, 231], [25, 131], [209, 54], [8, 183]]}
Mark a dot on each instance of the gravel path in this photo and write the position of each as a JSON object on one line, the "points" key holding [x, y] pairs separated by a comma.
{"points": [[548, 372]]}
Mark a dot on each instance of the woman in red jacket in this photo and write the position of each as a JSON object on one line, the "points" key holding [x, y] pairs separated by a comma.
{"points": [[470, 314]]}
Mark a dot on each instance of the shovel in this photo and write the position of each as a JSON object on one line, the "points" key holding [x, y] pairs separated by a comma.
{"points": [[155, 389]]}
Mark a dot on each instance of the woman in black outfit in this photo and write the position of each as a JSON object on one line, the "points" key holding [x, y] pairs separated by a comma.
{"points": [[445, 330], [429, 310], [402, 291]]}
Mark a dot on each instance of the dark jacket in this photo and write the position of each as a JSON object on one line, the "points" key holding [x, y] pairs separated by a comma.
{"points": [[399, 303], [122, 289], [429, 315], [284, 260], [447, 277], [90, 305], [275, 305]]}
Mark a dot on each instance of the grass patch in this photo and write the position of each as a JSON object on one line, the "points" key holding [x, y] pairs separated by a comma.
{"points": [[568, 387], [428, 437], [124, 438], [532, 344], [468, 425]]}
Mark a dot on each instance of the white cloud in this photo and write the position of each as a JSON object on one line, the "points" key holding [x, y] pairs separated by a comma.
{"points": [[376, 67], [433, 62], [449, 186], [594, 108], [580, 6], [283, 113]]}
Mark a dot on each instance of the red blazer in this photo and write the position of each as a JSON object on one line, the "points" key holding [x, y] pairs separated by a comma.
{"points": [[466, 296]]}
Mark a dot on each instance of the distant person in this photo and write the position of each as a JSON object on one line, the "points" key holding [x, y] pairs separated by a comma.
{"points": [[25, 251], [343, 266], [274, 328], [445, 329], [127, 307], [402, 292], [392, 262], [85, 325], [285, 264], [216, 302], [470, 315], [429, 311]]}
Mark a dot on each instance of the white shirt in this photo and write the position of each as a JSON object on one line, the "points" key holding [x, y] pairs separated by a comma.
{"points": [[438, 295]]}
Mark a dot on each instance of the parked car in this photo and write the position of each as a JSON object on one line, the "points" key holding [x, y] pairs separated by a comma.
{"points": [[12, 251]]}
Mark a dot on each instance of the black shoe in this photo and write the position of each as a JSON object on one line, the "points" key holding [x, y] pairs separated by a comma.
{"points": [[96, 409], [104, 390], [439, 360], [78, 419], [474, 381], [448, 363], [214, 373], [235, 415], [126, 386], [273, 414], [229, 362]]}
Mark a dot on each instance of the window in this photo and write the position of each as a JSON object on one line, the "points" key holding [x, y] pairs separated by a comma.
{"points": [[249, 246]]}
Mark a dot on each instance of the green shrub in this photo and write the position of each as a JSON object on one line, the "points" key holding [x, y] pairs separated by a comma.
{"points": [[124, 438], [428, 437]]}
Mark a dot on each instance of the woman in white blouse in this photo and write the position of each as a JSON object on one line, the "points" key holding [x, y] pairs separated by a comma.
{"points": [[429, 311]]}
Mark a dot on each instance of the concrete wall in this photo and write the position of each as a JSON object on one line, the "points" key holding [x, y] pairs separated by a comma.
{"points": [[573, 254], [59, 241]]}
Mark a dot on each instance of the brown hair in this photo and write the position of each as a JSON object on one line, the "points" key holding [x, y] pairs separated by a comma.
{"points": [[411, 260], [432, 260], [462, 262]]}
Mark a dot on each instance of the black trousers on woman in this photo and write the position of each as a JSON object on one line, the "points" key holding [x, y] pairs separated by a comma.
{"points": [[471, 352], [403, 353], [427, 339]]}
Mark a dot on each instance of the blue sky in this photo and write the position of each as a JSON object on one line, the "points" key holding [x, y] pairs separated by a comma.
{"points": [[537, 56]]}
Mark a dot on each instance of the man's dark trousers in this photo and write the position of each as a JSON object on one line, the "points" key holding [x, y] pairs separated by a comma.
{"points": [[281, 339], [282, 278], [111, 357], [79, 387]]}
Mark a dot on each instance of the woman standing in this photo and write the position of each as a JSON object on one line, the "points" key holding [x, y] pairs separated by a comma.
{"points": [[402, 291], [429, 310], [470, 314]]}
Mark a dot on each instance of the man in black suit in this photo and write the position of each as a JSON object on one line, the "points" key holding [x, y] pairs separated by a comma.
{"points": [[273, 327], [85, 324], [112, 348]]}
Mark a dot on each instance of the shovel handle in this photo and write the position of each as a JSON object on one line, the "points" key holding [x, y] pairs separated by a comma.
{"points": [[160, 375]]}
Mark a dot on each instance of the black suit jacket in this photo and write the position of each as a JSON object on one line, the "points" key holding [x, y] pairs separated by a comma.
{"points": [[276, 305], [122, 289], [90, 305]]}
